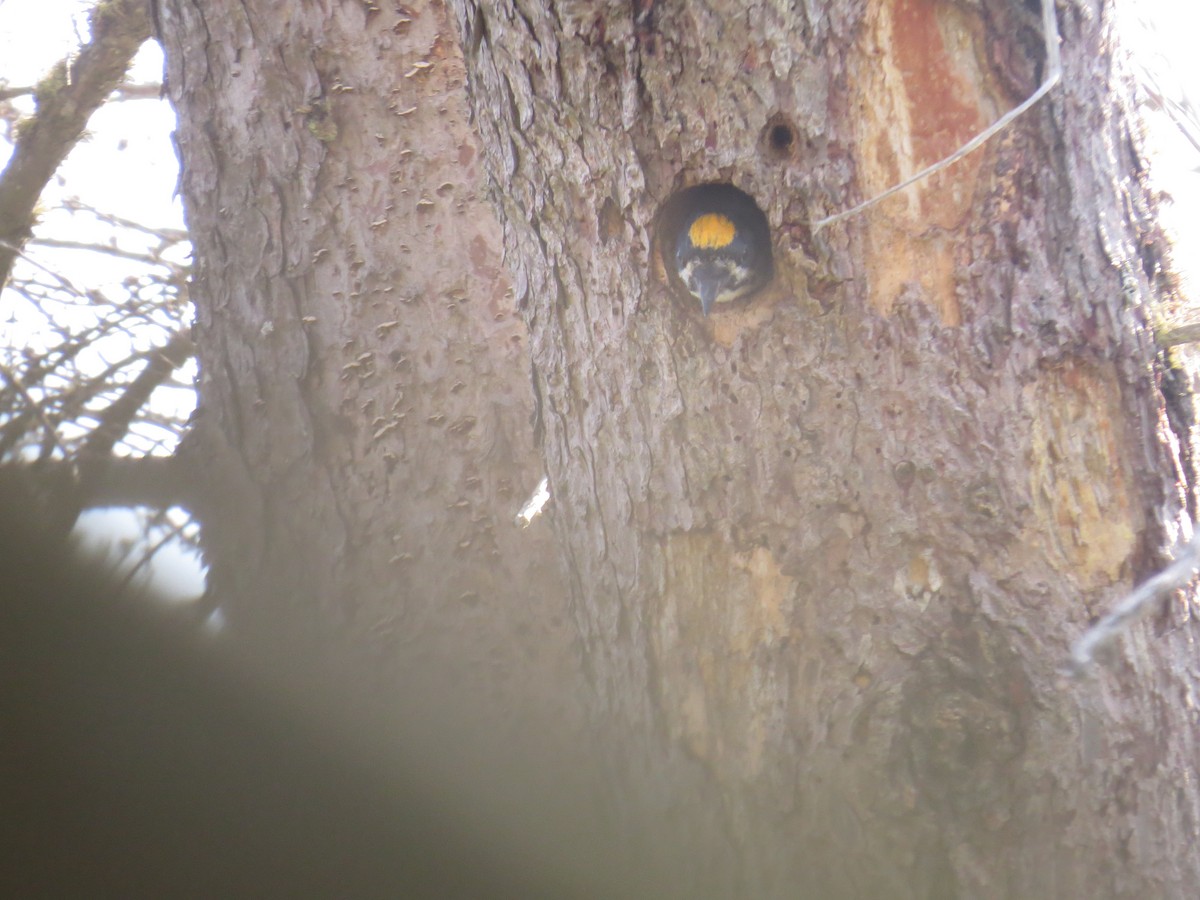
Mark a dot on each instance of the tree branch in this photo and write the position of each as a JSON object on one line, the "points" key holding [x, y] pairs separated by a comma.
{"points": [[114, 422], [66, 99], [1187, 333], [158, 482], [154, 481]]}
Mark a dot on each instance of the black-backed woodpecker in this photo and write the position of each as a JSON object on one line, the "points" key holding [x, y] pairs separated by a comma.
{"points": [[716, 243]]}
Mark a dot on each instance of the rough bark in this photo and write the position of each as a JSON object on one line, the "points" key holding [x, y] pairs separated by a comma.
{"points": [[362, 436], [828, 550]]}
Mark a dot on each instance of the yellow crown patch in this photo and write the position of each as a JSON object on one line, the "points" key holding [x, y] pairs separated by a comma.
{"points": [[711, 231]]}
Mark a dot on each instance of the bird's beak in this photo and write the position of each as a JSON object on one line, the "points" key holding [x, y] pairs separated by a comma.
{"points": [[708, 293]]}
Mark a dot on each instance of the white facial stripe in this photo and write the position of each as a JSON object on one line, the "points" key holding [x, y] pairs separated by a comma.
{"points": [[736, 280]]}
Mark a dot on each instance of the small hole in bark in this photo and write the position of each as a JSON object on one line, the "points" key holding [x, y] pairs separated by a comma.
{"points": [[780, 138]]}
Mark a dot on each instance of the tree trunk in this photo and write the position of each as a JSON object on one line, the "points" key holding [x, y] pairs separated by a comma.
{"points": [[363, 436], [828, 549]]}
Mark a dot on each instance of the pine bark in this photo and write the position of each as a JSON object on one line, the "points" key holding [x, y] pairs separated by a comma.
{"points": [[828, 551], [825, 552], [362, 441]]}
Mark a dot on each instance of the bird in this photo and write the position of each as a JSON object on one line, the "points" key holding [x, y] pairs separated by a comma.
{"points": [[716, 244]]}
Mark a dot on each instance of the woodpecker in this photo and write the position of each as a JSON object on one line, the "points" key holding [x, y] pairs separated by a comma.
{"points": [[716, 243]]}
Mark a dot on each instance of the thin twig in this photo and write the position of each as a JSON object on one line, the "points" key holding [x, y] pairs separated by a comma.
{"points": [[33, 408], [148, 259], [1126, 612], [167, 235], [149, 551], [64, 283], [1053, 74]]}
